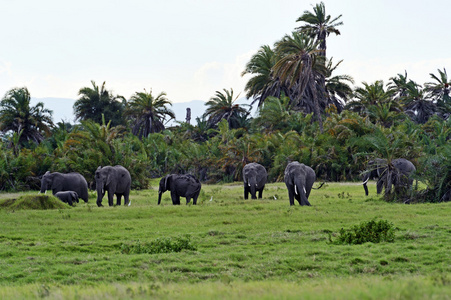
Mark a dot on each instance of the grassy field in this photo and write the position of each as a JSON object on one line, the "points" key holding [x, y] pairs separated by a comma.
{"points": [[251, 249]]}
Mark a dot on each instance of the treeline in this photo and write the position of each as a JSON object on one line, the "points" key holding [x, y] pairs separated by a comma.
{"points": [[305, 113]]}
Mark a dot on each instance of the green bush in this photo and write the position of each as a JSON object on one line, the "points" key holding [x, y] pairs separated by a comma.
{"points": [[372, 231], [160, 245]]}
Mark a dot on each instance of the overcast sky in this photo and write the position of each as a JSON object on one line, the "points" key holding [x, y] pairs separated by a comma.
{"points": [[190, 49]]}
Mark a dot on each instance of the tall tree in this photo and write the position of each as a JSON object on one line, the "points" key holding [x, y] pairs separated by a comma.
{"points": [[263, 84], [319, 25], [223, 106], [338, 90], [148, 112], [95, 102], [29, 123], [417, 103], [439, 90], [299, 67]]}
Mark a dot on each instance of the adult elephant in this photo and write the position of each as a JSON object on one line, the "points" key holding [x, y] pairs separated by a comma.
{"points": [[116, 180], [68, 197], [58, 182], [254, 178], [186, 186], [299, 180], [398, 173]]}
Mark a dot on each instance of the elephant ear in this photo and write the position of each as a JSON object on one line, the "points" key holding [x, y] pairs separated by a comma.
{"points": [[109, 178], [167, 182]]}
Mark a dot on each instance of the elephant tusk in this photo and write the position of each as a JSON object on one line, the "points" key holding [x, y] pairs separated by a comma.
{"points": [[45, 192], [295, 190], [248, 184], [366, 181], [305, 192], [129, 202]]}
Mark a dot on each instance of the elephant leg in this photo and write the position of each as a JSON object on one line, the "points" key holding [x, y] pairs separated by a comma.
{"points": [[119, 198], [195, 199], [379, 186], [188, 199], [260, 194], [177, 199], [126, 198], [246, 192], [110, 198], [291, 196]]}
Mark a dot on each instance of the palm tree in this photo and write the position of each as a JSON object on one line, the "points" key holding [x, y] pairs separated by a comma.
{"points": [[440, 91], [338, 90], [368, 95], [319, 25], [263, 84], [221, 107], [95, 102], [398, 85], [417, 105], [274, 114], [29, 123], [148, 112], [300, 67]]}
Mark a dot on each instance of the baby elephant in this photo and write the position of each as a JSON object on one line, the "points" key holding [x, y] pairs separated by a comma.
{"points": [[180, 186], [68, 197]]}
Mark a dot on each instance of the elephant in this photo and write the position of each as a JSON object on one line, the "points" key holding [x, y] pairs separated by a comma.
{"points": [[115, 180], [398, 173], [68, 197], [180, 186], [254, 178], [58, 182], [299, 180]]}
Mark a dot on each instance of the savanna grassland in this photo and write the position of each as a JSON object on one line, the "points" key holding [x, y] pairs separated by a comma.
{"points": [[239, 248]]}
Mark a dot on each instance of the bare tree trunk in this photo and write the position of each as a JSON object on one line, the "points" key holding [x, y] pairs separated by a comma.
{"points": [[188, 115], [316, 106]]}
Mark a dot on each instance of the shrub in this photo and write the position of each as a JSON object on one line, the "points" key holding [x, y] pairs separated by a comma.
{"points": [[160, 245], [372, 231]]}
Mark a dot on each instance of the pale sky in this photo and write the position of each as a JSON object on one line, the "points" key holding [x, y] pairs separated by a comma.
{"points": [[190, 49]]}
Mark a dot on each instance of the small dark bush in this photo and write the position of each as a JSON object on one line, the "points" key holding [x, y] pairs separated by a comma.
{"points": [[160, 245], [372, 231]]}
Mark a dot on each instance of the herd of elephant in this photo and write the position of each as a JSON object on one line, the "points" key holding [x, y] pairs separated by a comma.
{"points": [[298, 178]]}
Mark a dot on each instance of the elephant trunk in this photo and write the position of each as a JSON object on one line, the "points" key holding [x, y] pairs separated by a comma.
{"points": [[299, 189], [253, 186]]}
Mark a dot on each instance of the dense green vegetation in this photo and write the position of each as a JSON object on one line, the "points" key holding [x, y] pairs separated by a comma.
{"points": [[245, 248]]}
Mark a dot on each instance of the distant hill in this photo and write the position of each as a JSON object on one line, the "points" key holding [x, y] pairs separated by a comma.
{"points": [[63, 109]]}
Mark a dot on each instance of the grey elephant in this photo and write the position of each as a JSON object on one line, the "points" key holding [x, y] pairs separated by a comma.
{"points": [[254, 178], [299, 180], [69, 197], [186, 186], [116, 180], [58, 182], [398, 173]]}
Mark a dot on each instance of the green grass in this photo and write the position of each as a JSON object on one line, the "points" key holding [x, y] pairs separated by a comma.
{"points": [[244, 248]]}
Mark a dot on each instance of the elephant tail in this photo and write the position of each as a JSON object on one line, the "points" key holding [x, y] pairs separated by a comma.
{"points": [[319, 186]]}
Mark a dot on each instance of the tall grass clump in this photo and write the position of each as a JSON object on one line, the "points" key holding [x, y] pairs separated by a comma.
{"points": [[372, 231], [160, 245], [33, 202]]}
